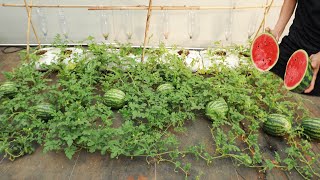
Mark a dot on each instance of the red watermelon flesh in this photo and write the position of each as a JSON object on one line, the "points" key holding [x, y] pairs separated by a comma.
{"points": [[298, 74], [264, 52]]}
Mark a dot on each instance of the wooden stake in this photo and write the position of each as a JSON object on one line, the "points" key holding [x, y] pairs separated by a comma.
{"points": [[146, 30], [29, 10], [28, 30]]}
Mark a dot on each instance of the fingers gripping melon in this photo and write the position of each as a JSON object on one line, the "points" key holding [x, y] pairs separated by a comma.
{"points": [[299, 73], [264, 52]]}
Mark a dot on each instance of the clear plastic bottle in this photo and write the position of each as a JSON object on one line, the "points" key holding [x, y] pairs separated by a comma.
{"points": [[104, 25], [63, 22], [42, 19]]}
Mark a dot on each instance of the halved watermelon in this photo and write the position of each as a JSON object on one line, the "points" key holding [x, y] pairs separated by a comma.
{"points": [[264, 52], [299, 72]]}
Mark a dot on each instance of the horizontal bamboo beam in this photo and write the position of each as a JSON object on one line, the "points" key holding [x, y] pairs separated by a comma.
{"points": [[141, 7]]}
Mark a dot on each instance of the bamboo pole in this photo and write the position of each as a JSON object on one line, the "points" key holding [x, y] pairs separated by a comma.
{"points": [[141, 7], [263, 20], [33, 29], [29, 10], [146, 30]]}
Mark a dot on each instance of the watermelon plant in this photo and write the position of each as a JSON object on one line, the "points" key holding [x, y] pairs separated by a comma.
{"points": [[150, 124]]}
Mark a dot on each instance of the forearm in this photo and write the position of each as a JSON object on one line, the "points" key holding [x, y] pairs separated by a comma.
{"points": [[285, 15]]}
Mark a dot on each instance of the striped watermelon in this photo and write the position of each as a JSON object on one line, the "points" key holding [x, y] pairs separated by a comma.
{"points": [[165, 87], [299, 72], [264, 52], [44, 111], [217, 109], [277, 125], [311, 127], [115, 98], [8, 89]]}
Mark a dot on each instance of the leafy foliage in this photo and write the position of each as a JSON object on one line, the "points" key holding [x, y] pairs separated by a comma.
{"points": [[148, 122]]}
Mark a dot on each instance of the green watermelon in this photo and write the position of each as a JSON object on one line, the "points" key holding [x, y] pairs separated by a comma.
{"points": [[264, 52], [299, 72], [277, 125], [217, 109], [165, 87], [311, 127], [115, 98], [8, 89], [44, 111]]}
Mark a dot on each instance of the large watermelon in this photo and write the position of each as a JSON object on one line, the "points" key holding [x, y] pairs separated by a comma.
{"points": [[299, 72], [264, 52], [217, 109], [165, 87], [44, 111], [8, 89], [311, 127], [277, 125], [114, 98]]}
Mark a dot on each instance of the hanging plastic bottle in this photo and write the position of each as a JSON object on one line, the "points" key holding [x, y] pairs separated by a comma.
{"points": [[252, 24], [129, 24], [42, 16], [228, 29], [165, 22], [63, 22], [104, 25], [191, 23]]}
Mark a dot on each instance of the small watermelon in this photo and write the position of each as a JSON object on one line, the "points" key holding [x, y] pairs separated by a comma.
{"points": [[217, 109], [115, 98], [264, 52], [165, 87], [299, 72], [276, 125], [311, 127], [44, 111], [8, 89]]}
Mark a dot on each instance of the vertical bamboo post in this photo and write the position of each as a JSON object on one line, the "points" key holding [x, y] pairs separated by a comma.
{"points": [[29, 10], [146, 30]]}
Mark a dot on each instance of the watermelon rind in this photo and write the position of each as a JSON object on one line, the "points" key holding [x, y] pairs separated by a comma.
{"points": [[252, 47], [8, 89], [277, 125], [44, 111], [311, 127], [304, 83], [216, 109], [165, 87], [115, 98]]}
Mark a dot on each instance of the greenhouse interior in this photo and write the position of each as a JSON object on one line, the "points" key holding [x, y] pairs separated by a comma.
{"points": [[159, 89]]}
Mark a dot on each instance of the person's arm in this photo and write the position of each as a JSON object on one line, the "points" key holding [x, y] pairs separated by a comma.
{"points": [[285, 15]]}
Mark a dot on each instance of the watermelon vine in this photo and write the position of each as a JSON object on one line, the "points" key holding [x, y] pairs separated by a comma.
{"points": [[107, 102]]}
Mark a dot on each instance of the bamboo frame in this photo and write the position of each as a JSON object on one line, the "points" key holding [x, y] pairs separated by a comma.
{"points": [[266, 8], [30, 23], [146, 30], [142, 7]]}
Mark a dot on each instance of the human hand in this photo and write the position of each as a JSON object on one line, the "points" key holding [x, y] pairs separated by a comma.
{"points": [[315, 63], [275, 33]]}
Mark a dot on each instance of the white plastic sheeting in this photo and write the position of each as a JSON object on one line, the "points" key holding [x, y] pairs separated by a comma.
{"points": [[209, 25]]}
